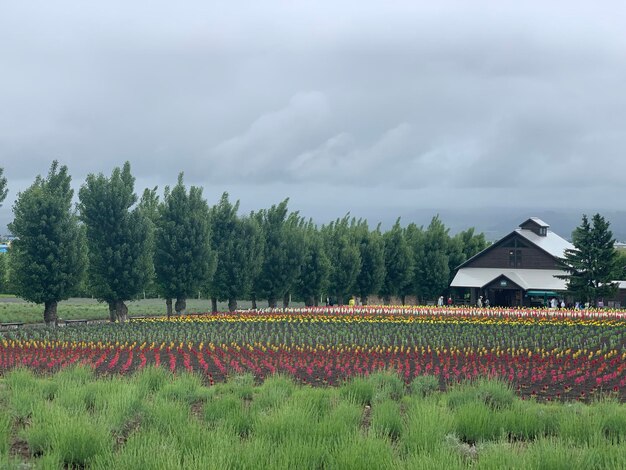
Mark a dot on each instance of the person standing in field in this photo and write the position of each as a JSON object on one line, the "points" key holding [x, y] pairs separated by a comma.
{"points": [[480, 302], [449, 301], [440, 301]]}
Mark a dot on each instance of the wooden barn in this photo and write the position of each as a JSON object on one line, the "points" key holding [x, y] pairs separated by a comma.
{"points": [[520, 269], [517, 270]]}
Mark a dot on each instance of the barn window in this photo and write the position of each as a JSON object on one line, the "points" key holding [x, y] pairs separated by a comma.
{"points": [[515, 258]]}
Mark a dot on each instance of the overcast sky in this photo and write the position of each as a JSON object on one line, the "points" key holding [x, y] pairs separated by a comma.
{"points": [[367, 107]]}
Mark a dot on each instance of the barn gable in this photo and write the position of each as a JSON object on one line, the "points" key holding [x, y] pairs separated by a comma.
{"points": [[524, 261]]}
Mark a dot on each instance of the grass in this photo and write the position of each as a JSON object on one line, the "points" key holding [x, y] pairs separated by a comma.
{"points": [[13, 309], [155, 420]]}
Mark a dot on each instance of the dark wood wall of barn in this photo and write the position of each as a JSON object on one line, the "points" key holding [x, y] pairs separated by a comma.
{"points": [[514, 252]]}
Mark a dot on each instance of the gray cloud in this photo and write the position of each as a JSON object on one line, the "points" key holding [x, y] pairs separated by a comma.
{"points": [[342, 106]]}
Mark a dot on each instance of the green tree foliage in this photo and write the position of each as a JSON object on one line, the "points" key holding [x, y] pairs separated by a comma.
{"points": [[462, 247], [456, 256], [398, 264], [3, 187], [621, 263], [4, 275], [238, 244], [295, 249], [593, 264], [471, 242], [149, 208], [343, 252], [315, 271], [372, 253], [184, 260], [149, 204], [283, 253], [434, 271], [117, 238], [48, 255], [415, 238]]}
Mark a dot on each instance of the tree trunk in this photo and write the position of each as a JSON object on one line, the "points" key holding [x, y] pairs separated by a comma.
{"points": [[286, 300], [168, 305], [253, 303], [121, 310], [112, 312], [214, 304], [403, 299], [50, 313], [271, 302], [180, 306], [232, 305]]}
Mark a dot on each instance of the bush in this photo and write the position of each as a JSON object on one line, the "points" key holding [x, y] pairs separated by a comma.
{"points": [[424, 385], [187, 388], [274, 392], [152, 379], [612, 418], [387, 385], [363, 453], [358, 390], [496, 394], [79, 441], [526, 421], [229, 412], [476, 422], [427, 424], [386, 420]]}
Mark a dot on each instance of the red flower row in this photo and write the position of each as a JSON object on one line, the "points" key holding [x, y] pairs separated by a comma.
{"points": [[549, 376]]}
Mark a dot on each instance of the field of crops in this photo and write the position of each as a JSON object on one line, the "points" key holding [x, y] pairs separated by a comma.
{"points": [[544, 354], [155, 420], [333, 387]]}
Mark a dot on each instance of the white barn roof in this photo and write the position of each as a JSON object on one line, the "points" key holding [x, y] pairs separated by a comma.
{"points": [[542, 279], [550, 243], [539, 222]]}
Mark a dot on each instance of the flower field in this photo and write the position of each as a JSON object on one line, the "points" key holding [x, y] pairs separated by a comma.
{"points": [[550, 355]]}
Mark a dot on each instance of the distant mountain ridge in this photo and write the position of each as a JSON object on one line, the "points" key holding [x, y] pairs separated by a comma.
{"points": [[496, 222], [493, 222]]}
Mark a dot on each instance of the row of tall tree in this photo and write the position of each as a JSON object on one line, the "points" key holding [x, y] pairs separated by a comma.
{"points": [[179, 246]]}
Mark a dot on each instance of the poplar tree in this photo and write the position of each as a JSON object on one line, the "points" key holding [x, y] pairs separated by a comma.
{"points": [[462, 247], [238, 244], [345, 258], [149, 208], [117, 239], [414, 236], [3, 258], [3, 187], [371, 274], [184, 260], [398, 264], [315, 271], [283, 253], [48, 255], [434, 268]]}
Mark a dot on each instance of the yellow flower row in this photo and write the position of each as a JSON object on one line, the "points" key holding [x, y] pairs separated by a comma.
{"points": [[529, 320], [337, 349]]}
